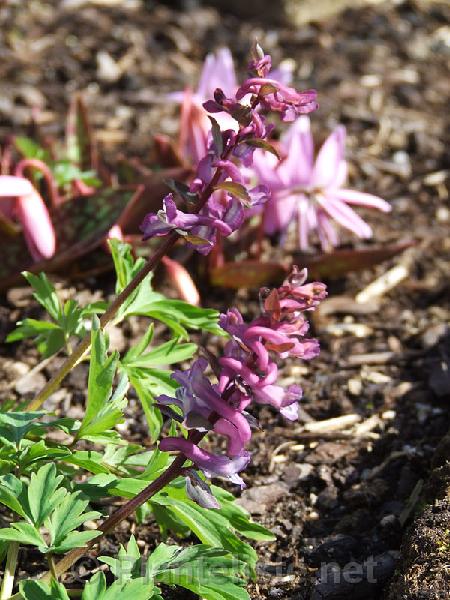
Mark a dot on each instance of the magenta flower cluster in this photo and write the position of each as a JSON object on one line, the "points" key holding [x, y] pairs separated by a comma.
{"points": [[219, 190], [246, 373], [248, 370]]}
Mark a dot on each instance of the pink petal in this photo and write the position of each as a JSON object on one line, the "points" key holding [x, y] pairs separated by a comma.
{"points": [[32, 212], [14, 186], [182, 281], [344, 215], [362, 199], [264, 165], [283, 73], [326, 231], [296, 168], [331, 154], [176, 96], [341, 176], [218, 71], [303, 224], [278, 213], [204, 86], [115, 233], [298, 137], [225, 71]]}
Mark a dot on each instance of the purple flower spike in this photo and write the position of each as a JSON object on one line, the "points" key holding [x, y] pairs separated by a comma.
{"points": [[246, 372], [278, 97]]}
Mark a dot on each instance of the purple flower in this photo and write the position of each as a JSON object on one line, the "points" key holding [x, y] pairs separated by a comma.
{"points": [[212, 465], [284, 399], [170, 218], [278, 97], [203, 407], [310, 192]]}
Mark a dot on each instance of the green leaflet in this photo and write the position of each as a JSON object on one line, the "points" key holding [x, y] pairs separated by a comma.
{"points": [[150, 381], [68, 318], [96, 589], [43, 501], [24, 533], [44, 493], [128, 563], [67, 516], [213, 573], [103, 409], [38, 590], [14, 426], [44, 292], [209, 572], [211, 528], [176, 314]]}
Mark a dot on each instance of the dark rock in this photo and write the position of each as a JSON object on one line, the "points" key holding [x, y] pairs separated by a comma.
{"points": [[328, 498], [328, 453], [367, 493], [391, 529], [359, 520], [440, 378], [433, 334], [392, 507], [407, 481], [358, 581], [338, 548]]}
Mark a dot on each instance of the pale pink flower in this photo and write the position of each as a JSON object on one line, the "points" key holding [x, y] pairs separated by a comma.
{"points": [[217, 72], [19, 200], [310, 191]]}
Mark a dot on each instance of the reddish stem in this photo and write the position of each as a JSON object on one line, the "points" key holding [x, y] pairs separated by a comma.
{"points": [[39, 165]]}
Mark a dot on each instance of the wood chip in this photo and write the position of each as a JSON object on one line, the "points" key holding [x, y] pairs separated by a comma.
{"points": [[383, 284], [335, 424]]}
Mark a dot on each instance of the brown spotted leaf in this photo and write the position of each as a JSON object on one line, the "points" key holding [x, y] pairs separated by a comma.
{"points": [[81, 224]]}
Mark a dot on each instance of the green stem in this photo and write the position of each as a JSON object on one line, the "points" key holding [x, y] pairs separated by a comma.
{"points": [[10, 570], [51, 564]]}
